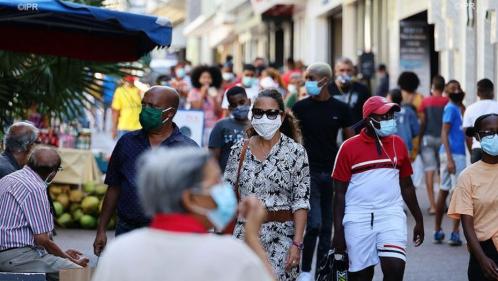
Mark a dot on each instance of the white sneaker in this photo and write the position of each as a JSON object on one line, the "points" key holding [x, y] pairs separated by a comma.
{"points": [[305, 276]]}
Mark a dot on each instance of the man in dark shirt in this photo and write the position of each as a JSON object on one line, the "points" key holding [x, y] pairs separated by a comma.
{"points": [[159, 106], [321, 116], [230, 130], [346, 90], [383, 75], [19, 141]]}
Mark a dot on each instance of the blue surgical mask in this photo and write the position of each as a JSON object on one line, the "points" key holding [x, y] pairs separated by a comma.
{"points": [[247, 81], [180, 73], [345, 78], [312, 88], [226, 206], [241, 112], [387, 127], [489, 145]]}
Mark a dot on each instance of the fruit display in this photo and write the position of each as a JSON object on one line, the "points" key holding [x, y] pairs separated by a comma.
{"points": [[79, 207]]}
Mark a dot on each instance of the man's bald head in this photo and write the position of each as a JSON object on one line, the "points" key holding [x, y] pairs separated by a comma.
{"points": [[44, 160], [20, 136], [162, 97]]}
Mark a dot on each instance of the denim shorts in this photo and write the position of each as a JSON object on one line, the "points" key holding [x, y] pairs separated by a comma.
{"points": [[430, 153], [448, 181]]}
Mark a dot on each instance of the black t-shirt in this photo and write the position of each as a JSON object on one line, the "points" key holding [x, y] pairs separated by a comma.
{"points": [[355, 98], [320, 122]]}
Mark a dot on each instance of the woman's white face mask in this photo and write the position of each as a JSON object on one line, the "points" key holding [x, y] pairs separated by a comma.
{"points": [[265, 127]]}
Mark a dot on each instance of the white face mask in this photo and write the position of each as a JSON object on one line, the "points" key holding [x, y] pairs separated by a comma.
{"points": [[227, 76], [292, 89], [265, 127]]}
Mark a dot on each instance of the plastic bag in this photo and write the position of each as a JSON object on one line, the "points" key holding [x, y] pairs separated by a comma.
{"points": [[418, 172], [333, 268]]}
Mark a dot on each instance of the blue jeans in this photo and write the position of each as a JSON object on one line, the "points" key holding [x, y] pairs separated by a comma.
{"points": [[122, 133], [320, 218]]}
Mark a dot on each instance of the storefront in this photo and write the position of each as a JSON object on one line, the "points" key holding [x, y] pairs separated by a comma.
{"points": [[278, 17]]}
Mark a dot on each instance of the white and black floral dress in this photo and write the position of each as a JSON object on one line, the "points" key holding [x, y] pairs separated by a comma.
{"points": [[282, 182]]}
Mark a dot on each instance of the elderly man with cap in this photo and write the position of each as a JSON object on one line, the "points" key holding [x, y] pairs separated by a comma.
{"points": [[18, 141], [26, 221], [159, 106], [372, 178]]}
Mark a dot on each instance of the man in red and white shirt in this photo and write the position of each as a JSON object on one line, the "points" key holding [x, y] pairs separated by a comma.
{"points": [[372, 177]]}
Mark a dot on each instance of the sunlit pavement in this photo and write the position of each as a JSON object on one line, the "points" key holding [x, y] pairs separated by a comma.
{"points": [[432, 262], [426, 263]]}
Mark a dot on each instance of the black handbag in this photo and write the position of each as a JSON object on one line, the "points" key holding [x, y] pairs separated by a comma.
{"points": [[334, 267]]}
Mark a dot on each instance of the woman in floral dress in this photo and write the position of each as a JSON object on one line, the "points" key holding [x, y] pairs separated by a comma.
{"points": [[275, 169]]}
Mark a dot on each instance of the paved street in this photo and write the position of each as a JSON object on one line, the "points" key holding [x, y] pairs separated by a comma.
{"points": [[429, 262]]}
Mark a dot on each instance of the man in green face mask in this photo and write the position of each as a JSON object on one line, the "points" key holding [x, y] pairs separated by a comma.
{"points": [[159, 106]]}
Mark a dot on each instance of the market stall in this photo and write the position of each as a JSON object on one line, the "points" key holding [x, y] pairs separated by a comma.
{"points": [[79, 167]]}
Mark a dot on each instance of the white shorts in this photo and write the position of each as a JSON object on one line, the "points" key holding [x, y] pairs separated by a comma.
{"points": [[373, 235]]}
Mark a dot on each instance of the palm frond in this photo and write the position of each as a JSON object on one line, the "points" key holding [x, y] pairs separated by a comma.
{"points": [[56, 84]]}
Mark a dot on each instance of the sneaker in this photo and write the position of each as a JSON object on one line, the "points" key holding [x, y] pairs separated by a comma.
{"points": [[438, 236], [305, 276], [455, 239]]}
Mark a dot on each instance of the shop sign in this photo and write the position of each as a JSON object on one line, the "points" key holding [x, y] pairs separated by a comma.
{"points": [[191, 124], [414, 52]]}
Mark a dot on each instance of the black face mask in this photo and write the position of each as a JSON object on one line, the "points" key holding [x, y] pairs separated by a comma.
{"points": [[457, 97]]}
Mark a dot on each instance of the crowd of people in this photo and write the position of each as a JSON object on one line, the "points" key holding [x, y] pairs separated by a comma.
{"points": [[299, 162]]}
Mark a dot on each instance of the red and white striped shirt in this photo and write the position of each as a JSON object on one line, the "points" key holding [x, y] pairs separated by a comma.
{"points": [[373, 178], [24, 209]]}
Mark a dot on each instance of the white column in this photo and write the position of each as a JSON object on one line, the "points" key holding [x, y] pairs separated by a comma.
{"points": [[315, 35], [468, 54], [349, 31], [393, 23], [206, 53], [485, 64]]}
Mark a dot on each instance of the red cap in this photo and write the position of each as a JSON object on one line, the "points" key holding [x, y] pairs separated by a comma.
{"points": [[378, 105]]}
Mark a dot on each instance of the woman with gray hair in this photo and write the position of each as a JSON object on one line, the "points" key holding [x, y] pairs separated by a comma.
{"points": [[181, 190]]}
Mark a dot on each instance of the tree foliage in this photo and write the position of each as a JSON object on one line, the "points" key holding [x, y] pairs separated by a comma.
{"points": [[60, 86]]}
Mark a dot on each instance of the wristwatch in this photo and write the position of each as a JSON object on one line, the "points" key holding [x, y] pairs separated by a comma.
{"points": [[300, 246]]}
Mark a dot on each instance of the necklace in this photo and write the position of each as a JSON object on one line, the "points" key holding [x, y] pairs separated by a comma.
{"points": [[260, 147]]}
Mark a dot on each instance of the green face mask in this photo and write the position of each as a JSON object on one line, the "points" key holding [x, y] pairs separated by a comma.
{"points": [[151, 118]]}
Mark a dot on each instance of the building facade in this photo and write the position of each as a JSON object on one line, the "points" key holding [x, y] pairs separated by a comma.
{"points": [[454, 38]]}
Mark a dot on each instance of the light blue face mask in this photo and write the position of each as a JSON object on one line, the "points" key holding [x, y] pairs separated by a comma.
{"points": [[312, 88], [489, 145], [226, 205], [180, 72], [387, 127], [247, 81]]}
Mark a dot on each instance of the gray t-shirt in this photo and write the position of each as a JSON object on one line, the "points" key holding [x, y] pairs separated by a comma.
{"points": [[224, 135]]}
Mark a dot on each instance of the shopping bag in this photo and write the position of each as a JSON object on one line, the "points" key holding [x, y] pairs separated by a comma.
{"points": [[334, 267], [76, 274]]}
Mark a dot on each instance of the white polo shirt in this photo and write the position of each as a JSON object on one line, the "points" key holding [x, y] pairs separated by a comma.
{"points": [[475, 110]]}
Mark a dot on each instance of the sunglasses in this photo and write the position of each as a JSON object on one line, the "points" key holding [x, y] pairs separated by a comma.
{"points": [[270, 113], [484, 134]]}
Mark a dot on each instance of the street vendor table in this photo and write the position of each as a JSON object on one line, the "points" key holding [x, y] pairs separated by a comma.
{"points": [[79, 166]]}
